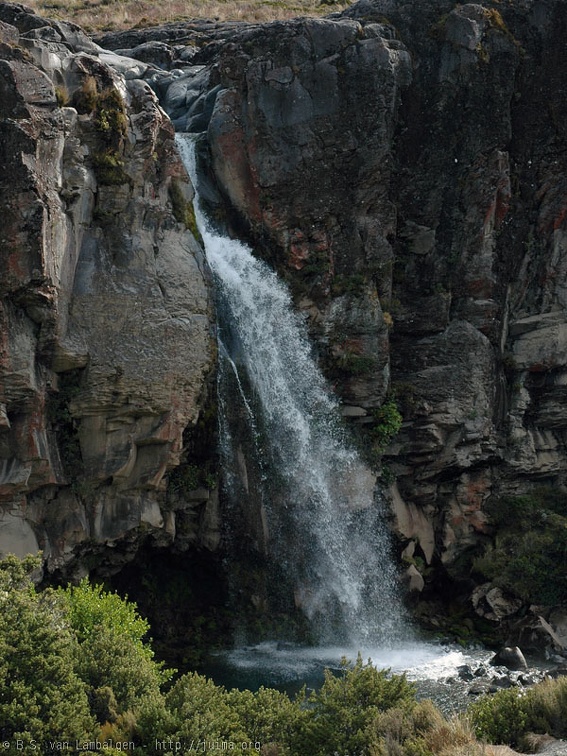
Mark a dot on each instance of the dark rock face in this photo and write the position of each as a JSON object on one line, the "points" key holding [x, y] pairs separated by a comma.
{"points": [[305, 165], [104, 305], [486, 184], [402, 166]]}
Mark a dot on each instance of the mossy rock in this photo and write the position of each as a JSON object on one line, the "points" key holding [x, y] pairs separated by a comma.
{"points": [[183, 210], [109, 168]]}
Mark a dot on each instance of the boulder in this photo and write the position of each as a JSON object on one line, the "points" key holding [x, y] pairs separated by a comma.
{"points": [[493, 603], [465, 672], [509, 657]]}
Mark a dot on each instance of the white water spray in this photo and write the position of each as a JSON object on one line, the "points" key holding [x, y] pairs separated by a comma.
{"points": [[322, 520]]}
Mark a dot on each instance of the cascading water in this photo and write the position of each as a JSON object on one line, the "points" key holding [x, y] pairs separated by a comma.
{"points": [[319, 517]]}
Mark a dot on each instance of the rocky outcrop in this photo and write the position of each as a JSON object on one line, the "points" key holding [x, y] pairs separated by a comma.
{"points": [[104, 305]]}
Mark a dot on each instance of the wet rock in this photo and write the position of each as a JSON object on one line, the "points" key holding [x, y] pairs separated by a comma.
{"points": [[501, 683], [481, 671], [478, 689], [465, 672], [529, 679]]}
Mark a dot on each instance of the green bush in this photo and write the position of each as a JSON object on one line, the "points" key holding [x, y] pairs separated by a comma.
{"points": [[112, 651], [388, 421], [90, 608], [109, 168], [527, 554], [343, 710], [354, 365], [500, 718], [546, 707], [111, 120], [507, 716], [41, 696], [270, 717], [203, 711]]}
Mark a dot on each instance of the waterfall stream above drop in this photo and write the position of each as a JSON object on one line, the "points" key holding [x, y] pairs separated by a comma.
{"points": [[318, 516]]}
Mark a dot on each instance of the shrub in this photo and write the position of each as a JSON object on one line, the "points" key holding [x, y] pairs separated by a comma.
{"points": [[343, 711], [85, 98], [356, 365], [270, 717], [90, 608], [500, 718], [111, 124], [509, 715], [113, 655], [445, 736], [41, 697], [546, 707], [203, 712], [111, 120], [527, 555], [62, 96], [109, 168], [388, 421]]}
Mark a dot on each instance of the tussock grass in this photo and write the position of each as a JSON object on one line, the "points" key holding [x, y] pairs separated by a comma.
{"points": [[453, 737], [113, 15]]}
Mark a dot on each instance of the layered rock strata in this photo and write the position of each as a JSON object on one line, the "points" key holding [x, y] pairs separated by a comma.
{"points": [[104, 302]]}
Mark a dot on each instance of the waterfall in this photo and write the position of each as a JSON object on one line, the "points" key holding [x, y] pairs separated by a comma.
{"points": [[318, 515]]}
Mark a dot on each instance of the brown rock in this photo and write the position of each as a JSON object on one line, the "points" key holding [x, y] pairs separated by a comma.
{"points": [[104, 307]]}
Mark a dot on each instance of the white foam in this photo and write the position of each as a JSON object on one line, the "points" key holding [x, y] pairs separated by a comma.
{"points": [[419, 661]]}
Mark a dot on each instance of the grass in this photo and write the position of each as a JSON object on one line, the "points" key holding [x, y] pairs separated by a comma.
{"points": [[114, 15]]}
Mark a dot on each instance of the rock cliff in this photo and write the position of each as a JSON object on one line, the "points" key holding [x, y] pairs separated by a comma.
{"points": [[402, 165], [104, 302]]}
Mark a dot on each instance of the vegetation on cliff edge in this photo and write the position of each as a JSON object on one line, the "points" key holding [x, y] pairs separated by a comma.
{"points": [[111, 15]]}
